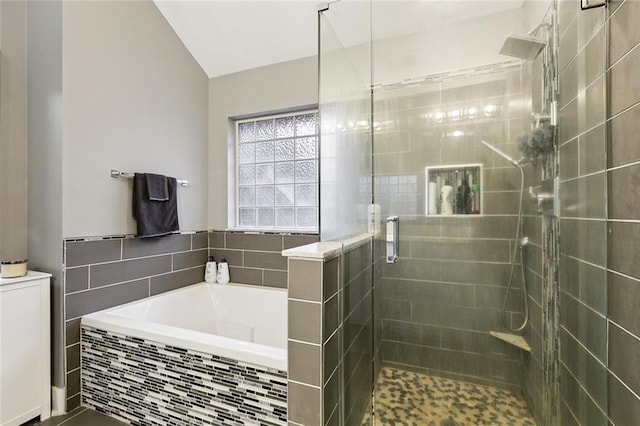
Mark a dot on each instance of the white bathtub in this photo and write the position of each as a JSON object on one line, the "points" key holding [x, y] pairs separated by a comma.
{"points": [[240, 322]]}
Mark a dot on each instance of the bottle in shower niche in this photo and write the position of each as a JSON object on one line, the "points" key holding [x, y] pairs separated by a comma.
{"points": [[463, 198], [475, 199], [210, 270], [447, 199], [223, 272]]}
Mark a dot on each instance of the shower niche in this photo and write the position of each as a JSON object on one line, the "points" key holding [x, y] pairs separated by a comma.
{"points": [[454, 190]]}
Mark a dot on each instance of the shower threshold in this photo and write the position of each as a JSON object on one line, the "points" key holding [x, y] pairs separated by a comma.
{"points": [[512, 339]]}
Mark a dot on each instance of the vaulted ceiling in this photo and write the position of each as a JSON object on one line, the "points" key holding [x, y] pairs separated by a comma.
{"points": [[227, 36]]}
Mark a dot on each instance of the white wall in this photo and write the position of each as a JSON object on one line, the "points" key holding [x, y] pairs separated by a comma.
{"points": [[109, 86], [275, 88], [44, 49], [13, 131], [135, 100]]}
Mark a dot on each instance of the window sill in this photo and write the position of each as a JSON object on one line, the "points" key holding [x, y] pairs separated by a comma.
{"points": [[273, 231]]}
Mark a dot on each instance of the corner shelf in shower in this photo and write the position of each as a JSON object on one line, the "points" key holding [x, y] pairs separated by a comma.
{"points": [[512, 339]]}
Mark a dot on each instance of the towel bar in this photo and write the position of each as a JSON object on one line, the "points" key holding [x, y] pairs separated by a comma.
{"points": [[118, 174]]}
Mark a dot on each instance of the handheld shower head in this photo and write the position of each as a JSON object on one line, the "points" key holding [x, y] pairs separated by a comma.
{"points": [[501, 153]]}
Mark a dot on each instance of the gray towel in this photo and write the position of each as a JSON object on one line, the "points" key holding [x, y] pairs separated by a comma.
{"points": [[154, 218], [157, 187]]}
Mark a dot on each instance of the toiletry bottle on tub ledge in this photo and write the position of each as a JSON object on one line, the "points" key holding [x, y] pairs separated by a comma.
{"points": [[210, 271], [223, 271]]}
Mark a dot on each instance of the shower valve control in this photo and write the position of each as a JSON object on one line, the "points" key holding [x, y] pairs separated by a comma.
{"points": [[547, 197]]}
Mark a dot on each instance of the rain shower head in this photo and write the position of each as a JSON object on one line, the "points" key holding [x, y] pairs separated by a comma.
{"points": [[500, 153], [522, 47]]}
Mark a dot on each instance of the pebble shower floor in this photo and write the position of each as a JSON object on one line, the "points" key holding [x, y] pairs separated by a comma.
{"points": [[408, 398]]}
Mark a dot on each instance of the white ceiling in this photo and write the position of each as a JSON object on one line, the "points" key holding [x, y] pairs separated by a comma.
{"points": [[227, 36]]}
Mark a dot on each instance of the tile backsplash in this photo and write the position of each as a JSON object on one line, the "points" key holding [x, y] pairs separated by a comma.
{"points": [[256, 258], [103, 272]]}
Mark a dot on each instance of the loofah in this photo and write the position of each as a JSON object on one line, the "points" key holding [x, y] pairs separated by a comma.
{"points": [[536, 142]]}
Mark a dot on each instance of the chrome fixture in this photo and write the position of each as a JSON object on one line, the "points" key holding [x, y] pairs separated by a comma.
{"points": [[500, 153], [522, 47], [392, 241], [518, 244], [127, 175], [547, 197], [551, 118], [590, 4], [506, 156], [540, 198], [539, 118], [525, 47]]}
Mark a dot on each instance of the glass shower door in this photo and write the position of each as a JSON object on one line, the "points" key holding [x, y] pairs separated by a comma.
{"points": [[447, 111], [345, 196], [345, 112], [420, 114]]}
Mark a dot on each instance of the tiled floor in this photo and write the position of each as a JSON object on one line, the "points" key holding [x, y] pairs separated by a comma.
{"points": [[407, 398], [402, 398], [79, 417]]}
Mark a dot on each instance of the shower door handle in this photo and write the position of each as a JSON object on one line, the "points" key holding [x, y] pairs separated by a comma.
{"points": [[392, 241]]}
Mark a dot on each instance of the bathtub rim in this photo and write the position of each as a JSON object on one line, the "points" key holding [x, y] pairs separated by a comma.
{"points": [[247, 352]]}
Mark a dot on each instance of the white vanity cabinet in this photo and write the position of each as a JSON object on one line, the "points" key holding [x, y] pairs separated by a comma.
{"points": [[25, 379]]}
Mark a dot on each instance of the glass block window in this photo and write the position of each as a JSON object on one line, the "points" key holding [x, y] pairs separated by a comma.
{"points": [[277, 172]]}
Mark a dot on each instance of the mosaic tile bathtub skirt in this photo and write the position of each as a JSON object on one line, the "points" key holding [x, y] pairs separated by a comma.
{"points": [[148, 383]]}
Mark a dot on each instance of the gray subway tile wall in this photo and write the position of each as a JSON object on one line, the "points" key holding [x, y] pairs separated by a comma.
{"points": [[101, 273], [274, 278], [305, 363], [104, 273], [247, 241], [597, 251], [330, 314], [128, 270], [446, 292], [622, 95], [332, 344], [624, 198], [356, 327], [256, 258], [304, 404], [306, 378], [305, 277], [76, 279], [623, 299], [189, 259], [175, 280], [87, 252], [447, 288], [622, 144], [305, 321], [144, 247], [623, 407], [92, 300]]}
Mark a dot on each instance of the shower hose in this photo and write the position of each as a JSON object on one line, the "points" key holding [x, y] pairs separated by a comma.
{"points": [[517, 245]]}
